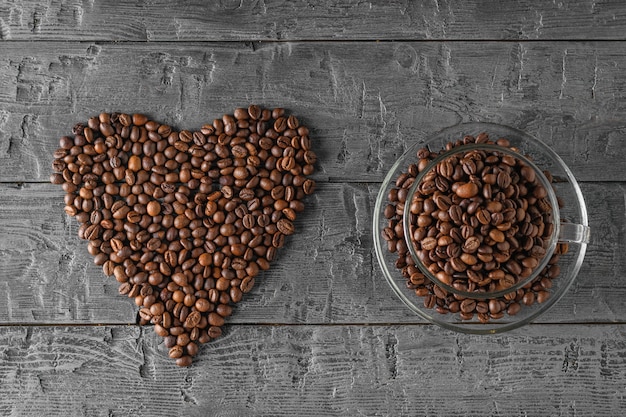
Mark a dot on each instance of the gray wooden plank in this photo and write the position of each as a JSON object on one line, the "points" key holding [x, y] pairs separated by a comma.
{"points": [[365, 102], [327, 272], [297, 20], [45, 275], [556, 370]]}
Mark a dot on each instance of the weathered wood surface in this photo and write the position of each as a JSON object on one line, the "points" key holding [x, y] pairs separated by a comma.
{"points": [[301, 20], [366, 102], [321, 334], [409, 370], [327, 273]]}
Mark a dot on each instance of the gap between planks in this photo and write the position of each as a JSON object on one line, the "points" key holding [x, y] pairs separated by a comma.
{"points": [[253, 43], [311, 324]]}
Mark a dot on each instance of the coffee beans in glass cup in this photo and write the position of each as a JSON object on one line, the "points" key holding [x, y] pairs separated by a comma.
{"points": [[186, 221], [480, 220], [470, 234]]}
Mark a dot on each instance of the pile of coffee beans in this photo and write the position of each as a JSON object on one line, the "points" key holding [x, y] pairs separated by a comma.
{"points": [[186, 220], [480, 223]]}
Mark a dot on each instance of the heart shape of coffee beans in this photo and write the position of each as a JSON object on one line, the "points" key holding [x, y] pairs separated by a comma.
{"points": [[186, 220]]}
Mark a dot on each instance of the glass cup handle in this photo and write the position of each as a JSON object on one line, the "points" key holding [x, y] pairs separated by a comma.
{"points": [[575, 233]]}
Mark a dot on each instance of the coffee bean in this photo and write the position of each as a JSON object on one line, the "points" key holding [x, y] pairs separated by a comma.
{"points": [[247, 284], [496, 235], [285, 226], [176, 352], [542, 296], [92, 232], [468, 259], [193, 318], [468, 305], [278, 240], [108, 268], [467, 190], [308, 186], [429, 243], [528, 174], [494, 306], [483, 216], [254, 112], [513, 309], [471, 244], [153, 208], [214, 332], [503, 180], [482, 307], [280, 125]]}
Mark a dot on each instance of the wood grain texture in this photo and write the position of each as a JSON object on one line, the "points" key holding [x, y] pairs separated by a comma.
{"points": [[327, 272], [315, 371], [321, 334], [45, 273], [264, 20], [365, 102]]}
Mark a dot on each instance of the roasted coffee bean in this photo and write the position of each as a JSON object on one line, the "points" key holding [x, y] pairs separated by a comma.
{"points": [[108, 268], [308, 186], [468, 305], [185, 220], [483, 216], [176, 352], [542, 296], [467, 190], [247, 284], [471, 244], [193, 319], [285, 226], [278, 240]]}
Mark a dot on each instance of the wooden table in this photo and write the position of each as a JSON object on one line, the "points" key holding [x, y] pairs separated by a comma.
{"points": [[321, 334]]}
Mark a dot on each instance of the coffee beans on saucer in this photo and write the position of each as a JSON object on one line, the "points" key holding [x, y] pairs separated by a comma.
{"points": [[480, 222]]}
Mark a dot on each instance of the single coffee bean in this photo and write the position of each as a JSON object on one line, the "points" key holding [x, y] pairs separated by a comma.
{"points": [[467, 190], [542, 296], [471, 245], [468, 305], [153, 208], [108, 268], [285, 226], [483, 216], [308, 186], [193, 319], [176, 352], [496, 235]]}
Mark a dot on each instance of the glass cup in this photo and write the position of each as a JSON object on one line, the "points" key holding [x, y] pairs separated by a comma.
{"points": [[561, 231], [569, 225]]}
